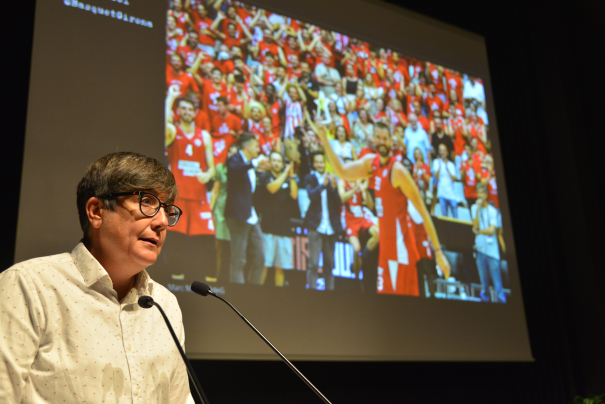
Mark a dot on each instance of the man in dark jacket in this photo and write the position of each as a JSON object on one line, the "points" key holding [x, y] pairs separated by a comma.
{"points": [[241, 217], [322, 221]]}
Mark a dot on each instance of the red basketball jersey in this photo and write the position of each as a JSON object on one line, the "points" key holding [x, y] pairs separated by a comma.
{"points": [[187, 158], [398, 254], [354, 206]]}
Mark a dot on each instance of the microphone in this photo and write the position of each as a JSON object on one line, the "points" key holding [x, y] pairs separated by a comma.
{"points": [[147, 302], [204, 290]]}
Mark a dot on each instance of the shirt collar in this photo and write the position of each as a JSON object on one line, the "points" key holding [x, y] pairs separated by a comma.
{"points": [[243, 156], [92, 271]]}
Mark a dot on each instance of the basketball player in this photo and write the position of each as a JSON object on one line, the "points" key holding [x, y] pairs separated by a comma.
{"points": [[393, 186], [190, 158]]}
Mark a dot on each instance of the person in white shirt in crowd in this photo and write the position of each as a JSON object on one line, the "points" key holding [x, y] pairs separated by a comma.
{"points": [[326, 76], [474, 93], [72, 327], [473, 90], [485, 224], [342, 145], [444, 172], [414, 137]]}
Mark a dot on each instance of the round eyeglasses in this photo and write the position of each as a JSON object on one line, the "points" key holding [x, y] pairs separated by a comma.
{"points": [[150, 205]]}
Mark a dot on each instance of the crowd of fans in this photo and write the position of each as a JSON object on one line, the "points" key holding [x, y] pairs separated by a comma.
{"points": [[244, 69]]}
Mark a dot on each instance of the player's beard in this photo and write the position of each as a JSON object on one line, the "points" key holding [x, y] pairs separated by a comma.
{"points": [[384, 151]]}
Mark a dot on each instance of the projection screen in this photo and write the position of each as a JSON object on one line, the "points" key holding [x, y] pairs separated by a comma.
{"points": [[101, 74]]}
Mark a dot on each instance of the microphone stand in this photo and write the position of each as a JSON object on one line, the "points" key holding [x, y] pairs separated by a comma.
{"points": [[204, 290], [147, 302]]}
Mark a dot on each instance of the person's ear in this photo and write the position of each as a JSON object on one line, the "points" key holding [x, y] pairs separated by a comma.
{"points": [[94, 210]]}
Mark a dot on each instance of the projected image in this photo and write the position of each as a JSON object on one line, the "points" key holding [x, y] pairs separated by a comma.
{"points": [[249, 97]]}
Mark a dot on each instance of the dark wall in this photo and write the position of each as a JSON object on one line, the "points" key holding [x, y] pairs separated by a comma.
{"points": [[548, 89]]}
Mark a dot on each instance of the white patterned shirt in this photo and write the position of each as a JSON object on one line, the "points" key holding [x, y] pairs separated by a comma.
{"points": [[64, 337]]}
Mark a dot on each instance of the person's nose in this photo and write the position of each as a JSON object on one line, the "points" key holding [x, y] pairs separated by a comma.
{"points": [[160, 220]]}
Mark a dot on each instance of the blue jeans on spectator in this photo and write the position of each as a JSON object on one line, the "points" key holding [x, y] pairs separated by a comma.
{"points": [[445, 203], [489, 267]]}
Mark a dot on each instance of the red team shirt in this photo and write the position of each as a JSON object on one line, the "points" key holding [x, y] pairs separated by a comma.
{"points": [[454, 82], [264, 47], [210, 96], [435, 104], [222, 138], [256, 128], [424, 122], [354, 217], [202, 24], [190, 54], [184, 81], [470, 180], [187, 158], [180, 17], [289, 53], [201, 120], [436, 79], [409, 103], [459, 109], [477, 129], [267, 142], [459, 140], [418, 175], [422, 239], [397, 272]]}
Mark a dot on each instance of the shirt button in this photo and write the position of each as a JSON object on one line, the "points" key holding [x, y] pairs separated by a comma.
{"points": [[136, 392], [130, 347]]}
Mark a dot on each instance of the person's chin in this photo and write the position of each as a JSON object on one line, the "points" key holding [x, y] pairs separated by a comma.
{"points": [[146, 259], [147, 254]]}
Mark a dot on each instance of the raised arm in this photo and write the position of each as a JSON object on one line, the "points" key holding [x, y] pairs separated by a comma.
{"points": [[276, 184], [402, 179], [195, 66], [218, 4], [278, 35], [301, 93], [254, 20], [173, 93], [301, 43], [245, 29], [314, 42], [282, 91], [282, 57], [220, 17], [293, 184], [352, 170]]}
